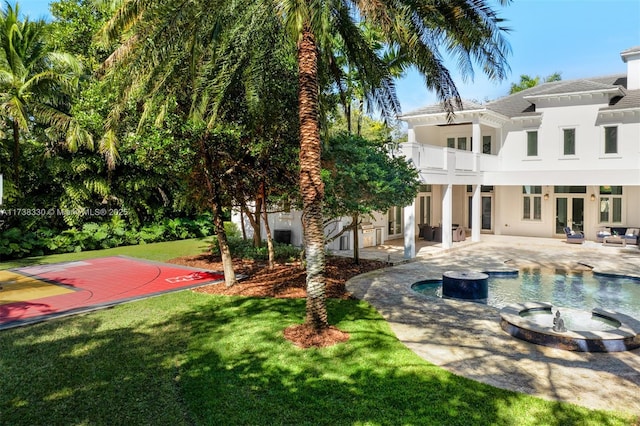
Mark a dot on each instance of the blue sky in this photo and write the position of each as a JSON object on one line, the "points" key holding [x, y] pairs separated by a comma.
{"points": [[578, 38]]}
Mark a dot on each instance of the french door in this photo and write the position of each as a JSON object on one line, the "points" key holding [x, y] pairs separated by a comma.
{"points": [[569, 212], [486, 204]]}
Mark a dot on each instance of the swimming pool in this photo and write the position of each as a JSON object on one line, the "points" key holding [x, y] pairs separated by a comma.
{"points": [[582, 290]]}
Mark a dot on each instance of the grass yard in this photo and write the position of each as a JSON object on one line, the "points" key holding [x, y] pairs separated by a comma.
{"points": [[192, 358]]}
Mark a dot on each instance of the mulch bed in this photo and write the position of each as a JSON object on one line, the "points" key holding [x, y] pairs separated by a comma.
{"points": [[286, 280]]}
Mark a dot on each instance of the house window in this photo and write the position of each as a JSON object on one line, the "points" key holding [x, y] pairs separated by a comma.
{"points": [[532, 143], [570, 189], [395, 220], [424, 206], [483, 188], [611, 140], [451, 142], [462, 144], [569, 141], [486, 144], [532, 202], [610, 204]]}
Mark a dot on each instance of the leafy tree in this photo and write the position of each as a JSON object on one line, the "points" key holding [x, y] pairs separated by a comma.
{"points": [[469, 30], [527, 82], [35, 80], [74, 26], [361, 177]]}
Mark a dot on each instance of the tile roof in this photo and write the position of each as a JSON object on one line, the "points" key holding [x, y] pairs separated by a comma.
{"points": [[519, 104], [630, 100]]}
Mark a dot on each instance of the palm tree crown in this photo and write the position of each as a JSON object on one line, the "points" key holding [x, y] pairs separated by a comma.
{"points": [[35, 80]]}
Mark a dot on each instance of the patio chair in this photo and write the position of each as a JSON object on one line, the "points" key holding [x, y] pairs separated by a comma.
{"points": [[631, 236], [459, 234], [573, 237]]}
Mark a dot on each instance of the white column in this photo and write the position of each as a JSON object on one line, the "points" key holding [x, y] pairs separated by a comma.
{"points": [[476, 211], [410, 231], [411, 134], [476, 145], [447, 215]]}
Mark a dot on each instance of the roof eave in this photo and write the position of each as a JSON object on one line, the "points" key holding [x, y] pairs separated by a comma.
{"points": [[612, 90]]}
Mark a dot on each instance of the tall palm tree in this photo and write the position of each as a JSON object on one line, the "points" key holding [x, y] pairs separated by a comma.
{"points": [[469, 30], [35, 80]]}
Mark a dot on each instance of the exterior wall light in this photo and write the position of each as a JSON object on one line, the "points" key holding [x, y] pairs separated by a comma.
{"points": [[593, 197], [546, 197]]}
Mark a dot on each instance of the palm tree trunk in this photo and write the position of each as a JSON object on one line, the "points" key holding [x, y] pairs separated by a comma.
{"points": [[311, 185]]}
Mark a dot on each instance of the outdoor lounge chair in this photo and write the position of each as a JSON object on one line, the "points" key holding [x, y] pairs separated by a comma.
{"points": [[573, 237]]}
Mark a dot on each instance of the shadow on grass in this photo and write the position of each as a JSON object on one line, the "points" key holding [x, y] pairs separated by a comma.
{"points": [[189, 358], [255, 377]]}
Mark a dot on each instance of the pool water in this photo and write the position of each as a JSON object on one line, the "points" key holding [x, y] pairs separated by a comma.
{"points": [[581, 290]]}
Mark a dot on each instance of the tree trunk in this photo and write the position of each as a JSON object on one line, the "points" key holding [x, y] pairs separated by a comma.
{"points": [[356, 239], [252, 220], [267, 229], [223, 244], [311, 185], [218, 222], [360, 114], [257, 229], [242, 225]]}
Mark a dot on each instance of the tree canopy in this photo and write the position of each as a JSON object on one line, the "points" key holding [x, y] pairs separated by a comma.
{"points": [[527, 82]]}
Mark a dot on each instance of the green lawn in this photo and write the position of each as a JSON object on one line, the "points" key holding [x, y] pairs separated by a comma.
{"points": [[187, 358]]}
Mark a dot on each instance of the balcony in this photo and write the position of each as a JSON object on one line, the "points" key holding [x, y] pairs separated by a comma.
{"points": [[442, 159]]}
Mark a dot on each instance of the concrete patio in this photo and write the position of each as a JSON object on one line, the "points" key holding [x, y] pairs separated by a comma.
{"points": [[466, 338]]}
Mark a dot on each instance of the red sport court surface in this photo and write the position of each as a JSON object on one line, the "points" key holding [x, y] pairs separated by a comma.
{"points": [[36, 293]]}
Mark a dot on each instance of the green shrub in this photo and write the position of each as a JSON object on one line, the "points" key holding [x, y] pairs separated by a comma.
{"points": [[16, 243], [244, 249]]}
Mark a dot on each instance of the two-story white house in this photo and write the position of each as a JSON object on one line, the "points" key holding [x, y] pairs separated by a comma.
{"points": [[560, 154], [563, 153]]}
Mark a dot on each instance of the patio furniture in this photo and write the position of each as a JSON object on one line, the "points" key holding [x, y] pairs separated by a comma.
{"points": [[614, 240], [573, 237], [631, 236], [603, 231], [459, 234], [426, 232]]}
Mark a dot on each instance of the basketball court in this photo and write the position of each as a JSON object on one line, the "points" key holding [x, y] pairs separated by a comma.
{"points": [[37, 293]]}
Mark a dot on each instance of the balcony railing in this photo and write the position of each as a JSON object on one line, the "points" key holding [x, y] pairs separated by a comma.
{"points": [[432, 157]]}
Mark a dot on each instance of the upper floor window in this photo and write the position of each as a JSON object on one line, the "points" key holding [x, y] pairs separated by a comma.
{"points": [[486, 144], [532, 202], [611, 140], [610, 204], [532, 143], [569, 142]]}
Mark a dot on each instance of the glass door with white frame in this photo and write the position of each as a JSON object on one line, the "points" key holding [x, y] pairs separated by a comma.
{"points": [[395, 221], [569, 212]]}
